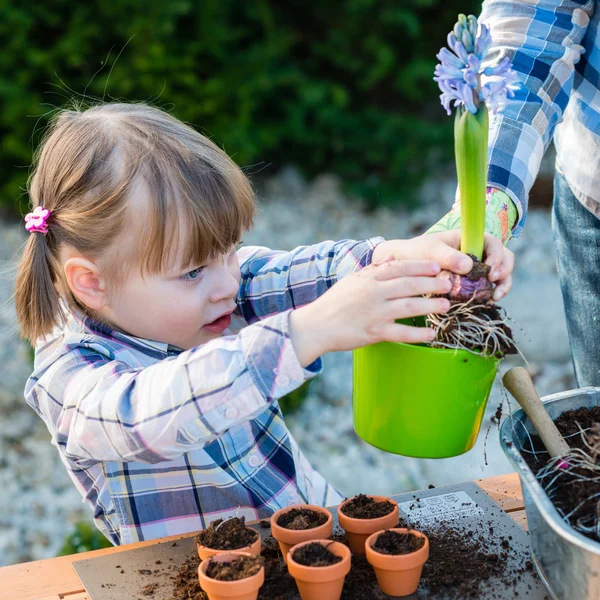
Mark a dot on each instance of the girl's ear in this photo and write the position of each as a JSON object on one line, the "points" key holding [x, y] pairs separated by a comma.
{"points": [[84, 280]]}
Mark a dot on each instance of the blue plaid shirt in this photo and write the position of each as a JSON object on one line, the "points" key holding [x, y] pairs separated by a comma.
{"points": [[555, 48], [161, 441]]}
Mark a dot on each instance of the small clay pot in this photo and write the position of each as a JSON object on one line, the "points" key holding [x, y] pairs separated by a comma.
{"points": [[358, 530], [398, 574], [243, 589], [290, 537], [320, 583], [205, 552]]}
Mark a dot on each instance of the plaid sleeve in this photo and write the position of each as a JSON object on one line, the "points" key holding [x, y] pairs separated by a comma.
{"points": [[542, 39], [275, 281], [100, 409]]}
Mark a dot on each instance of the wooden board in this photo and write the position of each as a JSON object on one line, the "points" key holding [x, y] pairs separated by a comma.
{"points": [[55, 578], [114, 577]]}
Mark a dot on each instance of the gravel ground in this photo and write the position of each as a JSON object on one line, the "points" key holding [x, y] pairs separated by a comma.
{"points": [[38, 503]]}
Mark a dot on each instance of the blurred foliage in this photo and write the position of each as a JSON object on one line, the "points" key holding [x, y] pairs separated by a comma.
{"points": [[85, 537], [343, 86], [291, 402]]}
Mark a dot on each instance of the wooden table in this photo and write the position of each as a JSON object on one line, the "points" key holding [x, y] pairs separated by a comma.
{"points": [[55, 578]]}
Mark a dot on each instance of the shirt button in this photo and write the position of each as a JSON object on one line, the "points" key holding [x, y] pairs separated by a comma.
{"points": [[282, 380], [254, 460], [231, 413]]}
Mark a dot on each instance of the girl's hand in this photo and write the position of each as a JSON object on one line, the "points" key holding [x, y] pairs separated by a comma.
{"points": [[443, 249], [362, 308]]}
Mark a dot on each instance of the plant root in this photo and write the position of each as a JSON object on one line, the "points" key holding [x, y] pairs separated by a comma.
{"points": [[479, 328]]}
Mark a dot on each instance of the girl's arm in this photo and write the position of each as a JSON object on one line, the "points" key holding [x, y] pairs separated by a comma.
{"points": [[100, 409], [275, 281]]}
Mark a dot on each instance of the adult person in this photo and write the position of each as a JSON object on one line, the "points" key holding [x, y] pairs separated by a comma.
{"points": [[554, 47]]}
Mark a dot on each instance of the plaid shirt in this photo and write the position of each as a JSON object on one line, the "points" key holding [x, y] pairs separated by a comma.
{"points": [[161, 441], [555, 48]]}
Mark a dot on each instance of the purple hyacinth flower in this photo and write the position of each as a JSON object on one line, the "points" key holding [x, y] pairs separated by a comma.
{"points": [[458, 48], [448, 58], [459, 93], [460, 75], [472, 71], [467, 97], [494, 94], [483, 42], [502, 69]]}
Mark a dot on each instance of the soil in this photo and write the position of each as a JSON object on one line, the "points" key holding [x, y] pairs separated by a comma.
{"points": [[460, 563], [239, 568], [571, 493], [315, 555], [301, 518], [148, 590], [365, 507], [479, 269], [231, 534], [392, 542], [494, 313]]}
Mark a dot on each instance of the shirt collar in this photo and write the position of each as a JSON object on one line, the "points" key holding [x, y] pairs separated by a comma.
{"points": [[80, 321]]}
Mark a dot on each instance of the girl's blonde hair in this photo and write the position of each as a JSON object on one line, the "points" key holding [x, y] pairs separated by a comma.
{"points": [[84, 172]]}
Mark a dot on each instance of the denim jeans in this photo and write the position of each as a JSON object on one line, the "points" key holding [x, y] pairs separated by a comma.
{"points": [[577, 239]]}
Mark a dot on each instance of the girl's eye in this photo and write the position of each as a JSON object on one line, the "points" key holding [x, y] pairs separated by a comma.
{"points": [[192, 275]]}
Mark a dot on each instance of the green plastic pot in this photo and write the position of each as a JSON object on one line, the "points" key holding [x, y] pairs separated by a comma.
{"points": [[420, 401]]}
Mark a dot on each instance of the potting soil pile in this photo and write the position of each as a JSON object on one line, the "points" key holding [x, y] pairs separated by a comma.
{"points": [[227, 535], [573, 486]]}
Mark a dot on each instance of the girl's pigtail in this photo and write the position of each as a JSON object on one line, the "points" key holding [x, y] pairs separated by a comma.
{"points": [[36, 297]]}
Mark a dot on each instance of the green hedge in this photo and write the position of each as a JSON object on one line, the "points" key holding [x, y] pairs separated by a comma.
{"points": [[83, 538], [332, 85]]}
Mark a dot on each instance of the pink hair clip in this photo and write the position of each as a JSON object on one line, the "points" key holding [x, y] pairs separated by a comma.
{"points": [[36, 221]]}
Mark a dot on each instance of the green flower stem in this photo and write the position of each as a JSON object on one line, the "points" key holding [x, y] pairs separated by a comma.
{"points": [[470, 148]]}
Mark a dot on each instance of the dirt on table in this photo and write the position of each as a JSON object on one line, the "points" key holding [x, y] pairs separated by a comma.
{"points": [[574, 492], [301, 519], [230, 534], [392, 542], [239, 568], [461, 561], [148, 590], [366, 507], [460, 565], [185, 584]]}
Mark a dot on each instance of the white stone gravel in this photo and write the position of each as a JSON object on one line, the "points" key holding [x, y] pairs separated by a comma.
{"points": [[38, 503]]}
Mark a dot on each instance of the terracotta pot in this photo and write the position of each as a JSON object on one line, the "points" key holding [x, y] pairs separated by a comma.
{"points": [[320, 583], [358, 530], [290, 537], [243, 589], [205, 552], [398, 575]]}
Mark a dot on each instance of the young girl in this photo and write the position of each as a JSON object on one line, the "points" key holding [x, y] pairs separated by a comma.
{"points": [[161, 349]]}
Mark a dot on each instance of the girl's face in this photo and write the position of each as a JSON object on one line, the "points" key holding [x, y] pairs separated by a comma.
{"points": [[184, 308]]}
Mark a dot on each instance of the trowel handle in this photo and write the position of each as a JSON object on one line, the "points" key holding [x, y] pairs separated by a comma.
{"points": [[518, 382]]}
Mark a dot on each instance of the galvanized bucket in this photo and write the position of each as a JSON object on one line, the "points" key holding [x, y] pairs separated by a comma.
{"points": [[567, 562]]}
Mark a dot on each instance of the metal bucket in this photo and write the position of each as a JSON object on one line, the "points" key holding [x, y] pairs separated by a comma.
{"points": [[567, 562]]}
